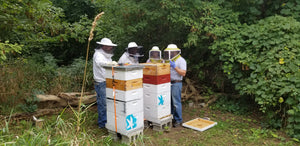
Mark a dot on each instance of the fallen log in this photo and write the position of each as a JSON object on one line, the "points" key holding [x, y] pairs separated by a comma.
{"points": [[72, 95], [46, 98], [62, 102]]}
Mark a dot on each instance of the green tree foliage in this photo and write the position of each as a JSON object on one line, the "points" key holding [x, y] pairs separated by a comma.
{"points": [[271, 50], [41, 27], [32, 23], [6, 48], [253, 10], [74, 9], [291, 8], [192, 25], [145, 22]]}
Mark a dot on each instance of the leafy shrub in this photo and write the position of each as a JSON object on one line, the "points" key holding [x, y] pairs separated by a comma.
{"points": [[30, 105], [19, 77], [239, 106], [6, 48], [73, 75], [255, 10], [269, 50], [42, 69]]}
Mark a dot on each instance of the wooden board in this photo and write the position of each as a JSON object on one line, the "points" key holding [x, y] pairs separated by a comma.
{"points": [[125, 85], [199, 124], [156, 69]]}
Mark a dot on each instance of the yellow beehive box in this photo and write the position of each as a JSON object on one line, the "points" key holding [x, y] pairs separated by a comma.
{"points": [[124, 85], [156, 69]]}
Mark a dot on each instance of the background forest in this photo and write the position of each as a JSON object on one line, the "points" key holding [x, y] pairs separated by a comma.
{"points": [[245, 47]]}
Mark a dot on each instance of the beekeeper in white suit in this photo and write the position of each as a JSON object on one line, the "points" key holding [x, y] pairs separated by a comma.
{"points": [[102, 56], [132, 54]]}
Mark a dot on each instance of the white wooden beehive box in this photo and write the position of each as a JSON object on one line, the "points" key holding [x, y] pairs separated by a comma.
{"points": [[125, 95], [124, 108], [157, 99], [125, 73], [156, 113], [157, 88], [125, 123]]}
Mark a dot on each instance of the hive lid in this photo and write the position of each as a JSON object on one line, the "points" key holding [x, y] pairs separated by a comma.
{"points": [[154, 64], [124, 67], [199, 124]]}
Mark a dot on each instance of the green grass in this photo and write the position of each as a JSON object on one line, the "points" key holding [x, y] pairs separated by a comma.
{"points": [[61, 130], [232, 129]]}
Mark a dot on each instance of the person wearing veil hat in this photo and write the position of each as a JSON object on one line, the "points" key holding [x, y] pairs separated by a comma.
{"points": [[132, 54], [102, 56], [177, 72], [155, 56]]}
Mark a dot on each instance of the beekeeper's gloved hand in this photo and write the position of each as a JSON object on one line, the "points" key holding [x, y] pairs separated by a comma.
{"points": [[172, 64]]}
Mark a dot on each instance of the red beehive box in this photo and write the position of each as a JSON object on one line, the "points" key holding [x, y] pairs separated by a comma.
{"points": [[156, 79]]}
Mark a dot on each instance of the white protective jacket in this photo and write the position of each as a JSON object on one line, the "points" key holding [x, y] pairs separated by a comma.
{"points": [[100, 58], [125, 58]]}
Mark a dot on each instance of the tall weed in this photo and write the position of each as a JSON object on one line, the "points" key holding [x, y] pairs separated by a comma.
{"points": [[60, 130]]}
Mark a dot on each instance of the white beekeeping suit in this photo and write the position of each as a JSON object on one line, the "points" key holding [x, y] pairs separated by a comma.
{"points": [[102, 56]]}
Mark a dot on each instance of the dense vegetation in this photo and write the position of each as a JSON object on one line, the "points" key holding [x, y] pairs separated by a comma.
{"points": [[246, 47]]}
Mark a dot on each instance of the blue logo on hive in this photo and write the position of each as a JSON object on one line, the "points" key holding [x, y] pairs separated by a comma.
{"points": [[161, 100], [130, 122]]}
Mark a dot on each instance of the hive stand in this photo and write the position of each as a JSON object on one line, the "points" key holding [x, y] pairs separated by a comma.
{"points": [[127, 139], [165, 124]]}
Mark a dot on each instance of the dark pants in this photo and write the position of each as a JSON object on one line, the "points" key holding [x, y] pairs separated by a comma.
{"points": [[176, 107], [101, 103]]}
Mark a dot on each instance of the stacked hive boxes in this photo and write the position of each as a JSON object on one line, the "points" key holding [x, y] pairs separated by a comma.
{"points": [[128, 84], [156, 85]]}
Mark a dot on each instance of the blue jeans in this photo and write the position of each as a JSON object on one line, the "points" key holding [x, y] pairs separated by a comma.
{"points": [[176, 108], [101, 103]]}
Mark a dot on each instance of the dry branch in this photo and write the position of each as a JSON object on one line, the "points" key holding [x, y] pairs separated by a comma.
{"points": [[195, 95], [188, 81], [212, 100]]}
